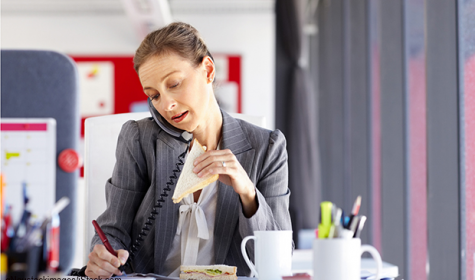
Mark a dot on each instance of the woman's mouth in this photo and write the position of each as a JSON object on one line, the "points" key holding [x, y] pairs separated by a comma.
{"points": [[179, 117]]}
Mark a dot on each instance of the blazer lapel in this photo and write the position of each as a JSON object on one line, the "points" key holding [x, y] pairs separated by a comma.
{"points": [[227, 208], [168, 150]]}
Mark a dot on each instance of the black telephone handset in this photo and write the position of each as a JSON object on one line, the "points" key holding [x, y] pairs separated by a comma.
{"points": [[155, 211]]}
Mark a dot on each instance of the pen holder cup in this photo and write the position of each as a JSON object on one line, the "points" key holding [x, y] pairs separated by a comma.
{"points": [[23, 265], [340, 259]]}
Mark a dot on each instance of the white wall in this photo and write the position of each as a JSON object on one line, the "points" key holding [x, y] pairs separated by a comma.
{"points": [[250, 35]]}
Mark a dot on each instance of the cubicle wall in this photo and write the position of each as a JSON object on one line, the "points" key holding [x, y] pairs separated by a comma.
{"points": [[43, 84]]}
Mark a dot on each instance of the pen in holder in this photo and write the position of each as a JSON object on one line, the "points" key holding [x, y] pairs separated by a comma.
{"points": [[53, 243]]}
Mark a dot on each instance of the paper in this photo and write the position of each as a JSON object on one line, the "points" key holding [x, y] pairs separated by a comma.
{"points": [[28, 157], [145, 276], [96, 82]]}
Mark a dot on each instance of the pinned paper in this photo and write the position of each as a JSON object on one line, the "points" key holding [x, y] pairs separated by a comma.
{"points": [[96, 85]]}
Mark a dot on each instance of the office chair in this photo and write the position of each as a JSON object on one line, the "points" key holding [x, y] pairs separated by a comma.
{"points": [[101, 135]]}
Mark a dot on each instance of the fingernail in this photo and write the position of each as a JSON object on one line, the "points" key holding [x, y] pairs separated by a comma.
{"points": [[195, 169], [123, 260], [200, 174]]}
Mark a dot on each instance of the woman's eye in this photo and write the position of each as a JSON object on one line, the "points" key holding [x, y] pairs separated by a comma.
{"points": [[154, 97], [175, 85]]}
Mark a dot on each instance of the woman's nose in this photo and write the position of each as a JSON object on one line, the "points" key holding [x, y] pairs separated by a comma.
{"points": [[168, 104]]}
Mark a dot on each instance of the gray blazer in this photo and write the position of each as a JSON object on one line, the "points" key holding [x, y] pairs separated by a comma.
{"points": [[146, 156]]}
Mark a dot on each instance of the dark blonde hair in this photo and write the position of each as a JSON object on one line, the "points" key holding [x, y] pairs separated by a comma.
{"points": [[178, 37]]}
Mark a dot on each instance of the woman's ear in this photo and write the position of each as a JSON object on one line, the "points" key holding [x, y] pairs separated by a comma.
{"points": [[208, 65]]}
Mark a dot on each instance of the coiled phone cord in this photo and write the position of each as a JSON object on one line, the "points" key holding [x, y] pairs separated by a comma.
{"points": [[155, 210]]}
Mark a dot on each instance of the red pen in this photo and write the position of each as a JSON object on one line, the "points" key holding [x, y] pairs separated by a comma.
{"points": [[354, 211], [103, 238], [53, 239]]}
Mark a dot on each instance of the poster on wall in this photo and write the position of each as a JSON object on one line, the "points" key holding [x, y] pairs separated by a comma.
{"points": [[96, 85]]}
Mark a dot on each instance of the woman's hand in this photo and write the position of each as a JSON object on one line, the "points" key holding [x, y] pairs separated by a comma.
{"points": [[103, 264], [224, 163]]}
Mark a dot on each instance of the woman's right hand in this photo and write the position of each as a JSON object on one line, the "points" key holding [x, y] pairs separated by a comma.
{"points": [[103, 264]]}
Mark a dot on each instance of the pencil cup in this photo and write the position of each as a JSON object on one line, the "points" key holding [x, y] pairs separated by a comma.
{"points": [[273, 254], [340, 259], [24, 265]]}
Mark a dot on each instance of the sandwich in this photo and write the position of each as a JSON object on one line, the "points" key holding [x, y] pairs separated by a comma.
{"points": [[189, 182], [216, 272]]}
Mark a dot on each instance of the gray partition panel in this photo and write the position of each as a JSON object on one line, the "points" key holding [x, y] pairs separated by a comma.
{"points": [[443, 142], [393, 135], [358, 132], [331, 118], [43, 84]]}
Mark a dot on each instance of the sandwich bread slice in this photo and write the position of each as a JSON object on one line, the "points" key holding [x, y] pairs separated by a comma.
{"points": [[216, 272], [189, 182]]}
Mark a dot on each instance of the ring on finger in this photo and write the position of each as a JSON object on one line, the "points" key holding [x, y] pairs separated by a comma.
{"points": [[224, 163]]}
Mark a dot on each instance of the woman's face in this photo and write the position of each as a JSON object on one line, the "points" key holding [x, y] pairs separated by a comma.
{"points": [[180, 92]]}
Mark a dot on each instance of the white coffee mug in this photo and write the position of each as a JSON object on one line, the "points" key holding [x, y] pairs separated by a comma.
{"points": [[273, 254], [340, 259]]}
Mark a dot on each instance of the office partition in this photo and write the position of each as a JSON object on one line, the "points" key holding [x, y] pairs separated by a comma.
{"points": [[43, 84]]}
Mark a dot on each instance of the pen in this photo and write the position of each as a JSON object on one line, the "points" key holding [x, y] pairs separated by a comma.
{"points": [[355, 210], [335, 228], [103, 238], [7, 229], [360, 226], [57, 208], [354, 224], [53, 240], [105, 241]]}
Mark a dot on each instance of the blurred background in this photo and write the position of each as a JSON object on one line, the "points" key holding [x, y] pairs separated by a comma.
{"points": [[376, 98]]}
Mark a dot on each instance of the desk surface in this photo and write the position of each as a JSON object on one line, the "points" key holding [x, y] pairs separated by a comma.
{"points": [[302, 262]]}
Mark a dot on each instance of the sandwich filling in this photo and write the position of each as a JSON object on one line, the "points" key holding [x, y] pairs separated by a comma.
{"points": [[207, 272]]}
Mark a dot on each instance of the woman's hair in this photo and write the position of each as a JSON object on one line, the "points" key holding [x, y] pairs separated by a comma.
{"points": [[178, 37]]}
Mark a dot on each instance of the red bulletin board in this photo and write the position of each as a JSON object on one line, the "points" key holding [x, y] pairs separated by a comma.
{"points": [[127, 86]]}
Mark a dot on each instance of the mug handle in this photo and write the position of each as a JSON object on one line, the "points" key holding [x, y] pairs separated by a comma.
{"points": [[246, 258], [376, 256]]}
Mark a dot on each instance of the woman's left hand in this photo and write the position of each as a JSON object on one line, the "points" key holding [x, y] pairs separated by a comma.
{"points": [[231, 173]]}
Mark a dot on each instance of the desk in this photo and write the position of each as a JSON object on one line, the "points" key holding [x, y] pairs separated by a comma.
{"points": [[302, 262]]}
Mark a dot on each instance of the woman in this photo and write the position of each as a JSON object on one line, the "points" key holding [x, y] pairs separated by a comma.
{"points": [[177, 72]]}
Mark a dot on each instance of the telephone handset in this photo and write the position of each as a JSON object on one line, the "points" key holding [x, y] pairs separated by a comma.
{"points": [[155, 210]]}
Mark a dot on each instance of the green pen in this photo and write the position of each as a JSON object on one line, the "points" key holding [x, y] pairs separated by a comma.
{"points": [[325, 219]]}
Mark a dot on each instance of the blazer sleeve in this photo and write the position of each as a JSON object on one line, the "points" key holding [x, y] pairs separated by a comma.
{"points": [[125, 190], [272, 191]]}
